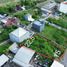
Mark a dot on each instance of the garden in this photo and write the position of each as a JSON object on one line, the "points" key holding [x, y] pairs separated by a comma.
{"points": [[43, 47]]}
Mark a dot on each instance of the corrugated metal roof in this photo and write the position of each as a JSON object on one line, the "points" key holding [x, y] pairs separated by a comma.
{"points": [[19, 32], [3, 59], [24, 55], [56, 64]]}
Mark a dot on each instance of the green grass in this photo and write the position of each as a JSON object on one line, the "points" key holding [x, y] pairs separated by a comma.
{"points": [[42, 46], [61, 21], [56, 35], [3, 48]]}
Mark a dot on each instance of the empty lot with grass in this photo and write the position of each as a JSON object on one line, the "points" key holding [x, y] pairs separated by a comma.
{"points": [[56, 35]]}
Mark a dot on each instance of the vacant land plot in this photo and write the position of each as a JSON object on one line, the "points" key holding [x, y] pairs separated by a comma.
{"points": [[55, 35]]}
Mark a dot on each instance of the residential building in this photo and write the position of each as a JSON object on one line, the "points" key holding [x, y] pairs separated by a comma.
{"points": [[19, 8], [57, 64], [9, 21], [19, 35], [23, 7], [38, 26], [63, 7], [28, 17], [48, 7], [24, 56], [3, 21]]}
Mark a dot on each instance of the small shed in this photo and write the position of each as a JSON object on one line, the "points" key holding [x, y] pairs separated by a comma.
{"points": [[19, 35], [23, 57], [38, 26], [28, 17], [57, 64], [23, 7], [3, 21]]}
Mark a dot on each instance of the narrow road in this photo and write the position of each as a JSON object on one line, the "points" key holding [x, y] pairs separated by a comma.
{"points": [[6, 41], [30, 25], [57, 26], [54, 25]]}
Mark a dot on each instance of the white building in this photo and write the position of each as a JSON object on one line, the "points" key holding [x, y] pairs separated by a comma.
{"points": [[19, 35], [23, 8], [28, 17], [63, 7], [57, 64], [23, 57], [3, 59]]}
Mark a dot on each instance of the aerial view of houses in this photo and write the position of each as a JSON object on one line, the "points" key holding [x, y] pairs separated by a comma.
{"points": [[33, 33]]}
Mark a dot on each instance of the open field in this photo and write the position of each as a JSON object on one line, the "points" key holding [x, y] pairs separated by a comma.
{"points": [[55, 35]]}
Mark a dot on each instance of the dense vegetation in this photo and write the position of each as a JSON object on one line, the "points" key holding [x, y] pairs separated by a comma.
{"points": [[61, 21], [43, 47], [4, 48], [5, 33]]}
